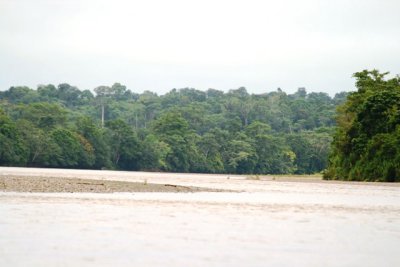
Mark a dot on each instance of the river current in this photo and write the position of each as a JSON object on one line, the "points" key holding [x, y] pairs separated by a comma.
{"points": [[267, 223]]}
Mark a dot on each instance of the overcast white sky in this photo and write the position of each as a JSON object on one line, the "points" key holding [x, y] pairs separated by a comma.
{"points": [[158, 45]]}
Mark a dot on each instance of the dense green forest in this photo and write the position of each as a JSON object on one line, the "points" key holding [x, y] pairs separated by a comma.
{"points": [[366, 145], [185, 130]]}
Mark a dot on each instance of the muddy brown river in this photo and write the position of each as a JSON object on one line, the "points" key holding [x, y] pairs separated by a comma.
{"points": [[265, 221]]}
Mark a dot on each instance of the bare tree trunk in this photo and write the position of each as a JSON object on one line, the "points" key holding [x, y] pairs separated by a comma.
{"points": [[102, 115]]}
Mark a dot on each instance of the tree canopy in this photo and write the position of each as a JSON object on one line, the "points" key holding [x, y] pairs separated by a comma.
{"points": [[185, 130], [366, 144]]}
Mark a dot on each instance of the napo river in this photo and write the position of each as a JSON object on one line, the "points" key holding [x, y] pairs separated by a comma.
{"points": [[274, 221]]}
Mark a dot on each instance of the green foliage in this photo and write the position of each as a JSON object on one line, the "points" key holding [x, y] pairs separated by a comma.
{"points": [[185, 130], [124, 145], [172, 129], [210, 150], [42, 115], [366, 145], [311, 150], [75, 151], [154, 154], [41, 147], [275, 156], [12, 150], [95, 136]]}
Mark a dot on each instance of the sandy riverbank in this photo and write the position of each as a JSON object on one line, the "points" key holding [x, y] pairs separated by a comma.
{"points": [[78, 185]]}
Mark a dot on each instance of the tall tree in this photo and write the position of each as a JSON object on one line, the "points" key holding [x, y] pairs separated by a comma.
{"points": [[86, 127], [12, 149], [173, 129], [124, 145], [366, 144]]}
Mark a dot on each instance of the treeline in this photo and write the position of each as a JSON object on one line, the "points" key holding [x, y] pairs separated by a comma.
{"points": [[185, 130], [366, 144]]}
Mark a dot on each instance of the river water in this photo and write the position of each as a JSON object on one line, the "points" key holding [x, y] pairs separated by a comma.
{"points": [[267, 223]]}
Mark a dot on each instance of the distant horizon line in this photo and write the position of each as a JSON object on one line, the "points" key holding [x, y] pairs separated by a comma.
{"points": [[187, 87]]}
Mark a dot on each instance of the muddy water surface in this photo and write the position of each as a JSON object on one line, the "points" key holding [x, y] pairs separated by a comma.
{"points": [[267, 223]]}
